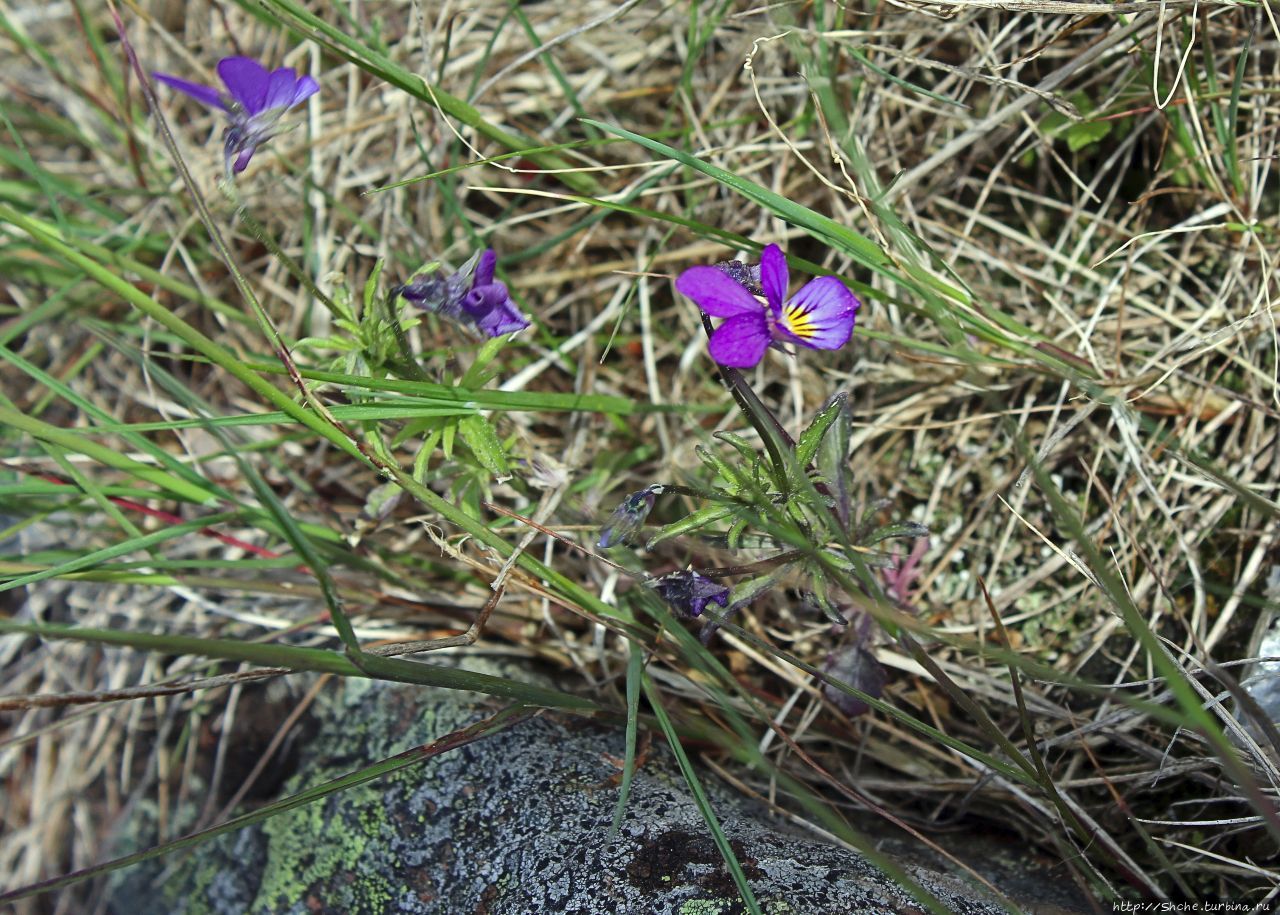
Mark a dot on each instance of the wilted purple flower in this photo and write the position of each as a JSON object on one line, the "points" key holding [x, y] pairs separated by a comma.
{"points": [[859, 668], [819, 316], [745, 275], [485, 303], [439, 291], [254, 102], [688, 592], [627, 518]]}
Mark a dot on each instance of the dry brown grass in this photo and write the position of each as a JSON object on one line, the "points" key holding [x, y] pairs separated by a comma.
{"points": [[1129, 254]]}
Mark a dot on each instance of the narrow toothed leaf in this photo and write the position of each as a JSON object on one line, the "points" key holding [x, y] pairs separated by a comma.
{"points": [[908, 529], [708, 514], [812, 437]]}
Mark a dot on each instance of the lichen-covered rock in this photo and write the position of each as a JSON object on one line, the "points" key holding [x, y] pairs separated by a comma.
{"points": [[515, 823]]}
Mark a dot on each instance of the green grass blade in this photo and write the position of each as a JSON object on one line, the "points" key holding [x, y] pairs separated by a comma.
{"points": [[700, 798], [77, 441], [635, 673], [314, 659]]}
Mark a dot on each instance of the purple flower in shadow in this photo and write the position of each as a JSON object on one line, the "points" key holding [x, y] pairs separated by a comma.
{"points": [[857, 667], [470, 296], [689, 593], [254, 102], [820, 316]]}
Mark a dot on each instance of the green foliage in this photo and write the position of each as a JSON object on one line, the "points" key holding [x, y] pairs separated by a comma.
{"points": [[367, 339], [136, 275], [1080, 133]]}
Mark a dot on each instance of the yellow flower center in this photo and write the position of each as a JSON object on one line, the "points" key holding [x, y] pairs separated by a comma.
{"points": [[798, 321]]}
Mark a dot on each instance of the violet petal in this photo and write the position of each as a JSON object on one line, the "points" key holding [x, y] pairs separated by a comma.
{"points": [[485, 267], [689, 593], [247, 81], [504, 318], [740, 342], [206, 95], [716, 294], [821, 315], [774, 277]]}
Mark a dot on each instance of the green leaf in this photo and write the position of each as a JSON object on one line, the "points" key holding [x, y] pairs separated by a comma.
{"points": [[746, 591], [1086, 133], [898, 529], [708, 514], [476, 376], [811, 438], [750, 453], [484, 443], [371, 286], [735, 481], [833, 461]]}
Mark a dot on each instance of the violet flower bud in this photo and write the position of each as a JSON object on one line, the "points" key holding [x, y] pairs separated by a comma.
{"points": [[627, 518]]}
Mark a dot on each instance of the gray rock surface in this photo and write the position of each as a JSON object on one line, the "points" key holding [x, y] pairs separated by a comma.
{"points": [[515, 823]]}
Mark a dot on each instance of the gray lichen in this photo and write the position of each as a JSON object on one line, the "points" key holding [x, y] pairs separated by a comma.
{"points": [[516, 823]]}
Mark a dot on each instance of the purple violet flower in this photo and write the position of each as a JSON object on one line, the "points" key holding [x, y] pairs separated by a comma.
{"points": [[485, 304], [254, 102], [820, 316], [488, 304], [627, 518], [689, 593]]}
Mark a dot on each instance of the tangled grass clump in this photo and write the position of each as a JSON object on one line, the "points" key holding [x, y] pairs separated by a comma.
{"points": [[1001, 559]]}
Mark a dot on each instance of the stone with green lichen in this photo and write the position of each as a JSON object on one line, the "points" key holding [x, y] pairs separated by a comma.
{"points": [[515, 823]]}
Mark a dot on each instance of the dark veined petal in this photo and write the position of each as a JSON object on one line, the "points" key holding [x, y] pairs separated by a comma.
{"points": [[740, 342], [247, 81], [821, 315], [716, 294], [206, 95], [774, 277]]}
